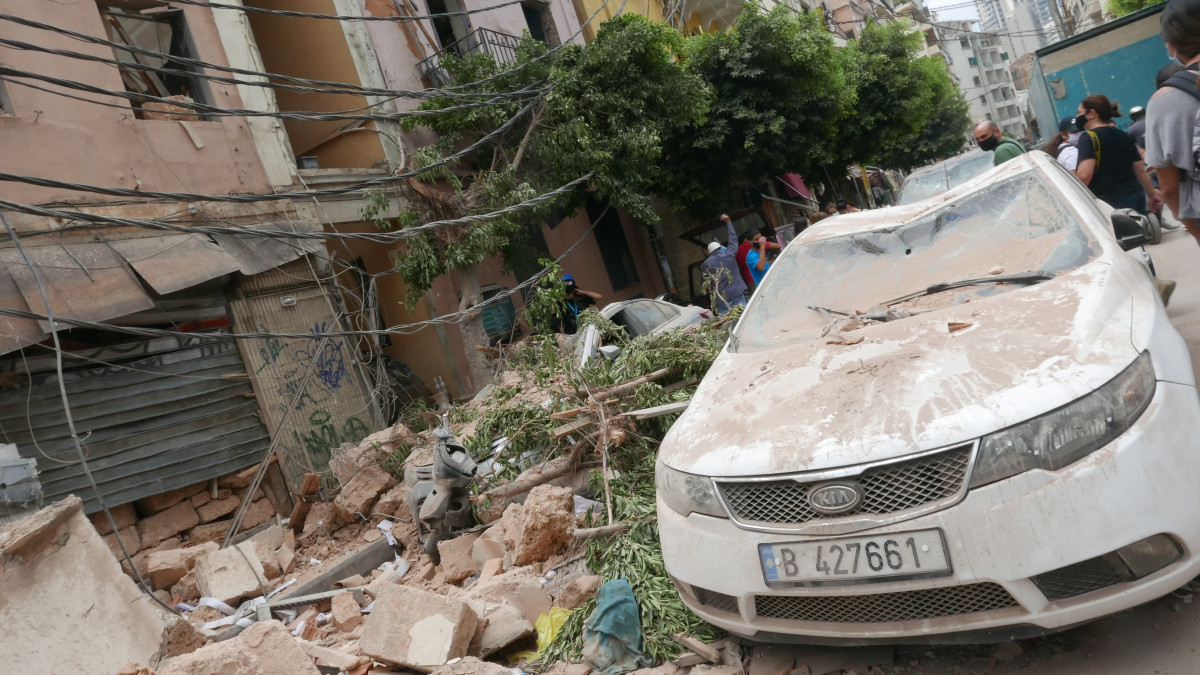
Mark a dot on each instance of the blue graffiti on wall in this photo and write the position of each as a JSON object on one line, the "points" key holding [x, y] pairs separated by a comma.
{"points": [[331, 362]]}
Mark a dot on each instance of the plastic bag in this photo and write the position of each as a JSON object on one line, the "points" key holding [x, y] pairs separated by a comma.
{"points": [[548, 625]]}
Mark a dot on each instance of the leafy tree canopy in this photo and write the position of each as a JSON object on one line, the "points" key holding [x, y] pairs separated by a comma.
{"points": [[779, 96], [1123, 7]]}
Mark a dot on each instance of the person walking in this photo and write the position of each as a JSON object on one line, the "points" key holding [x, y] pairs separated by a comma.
{"points": [[1171, 116], [721, 272], [1109, 161], [988, 135]]}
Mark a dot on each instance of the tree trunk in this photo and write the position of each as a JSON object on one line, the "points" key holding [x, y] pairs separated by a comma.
{"points": [[473, 333]]}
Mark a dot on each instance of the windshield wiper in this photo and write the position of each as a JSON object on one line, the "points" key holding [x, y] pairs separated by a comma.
{"points": [[1023, 278], [834, 312]]}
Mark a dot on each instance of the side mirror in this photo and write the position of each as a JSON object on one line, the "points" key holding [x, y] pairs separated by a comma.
{"points": [[1132, 228], [610, 352]]}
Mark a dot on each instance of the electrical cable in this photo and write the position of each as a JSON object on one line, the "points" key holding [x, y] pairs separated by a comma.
{"points": [[276, 196], [340, 17], [62, 390], [382, 237], [403, 329], [206, 109]]}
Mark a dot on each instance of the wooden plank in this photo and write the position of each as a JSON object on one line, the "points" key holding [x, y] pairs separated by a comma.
{"points": [[572, 427], [658, 410]]}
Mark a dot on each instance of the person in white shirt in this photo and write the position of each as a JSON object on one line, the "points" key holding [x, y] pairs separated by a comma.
{"points": [[1068, 154]]}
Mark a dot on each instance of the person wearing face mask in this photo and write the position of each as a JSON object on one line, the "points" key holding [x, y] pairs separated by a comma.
{"points": [[990, 139], [1171, 115], [1109, 161]]}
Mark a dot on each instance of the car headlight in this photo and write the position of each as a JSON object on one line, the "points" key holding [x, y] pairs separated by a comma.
{"points": [[686, 493], [1066, 435]]}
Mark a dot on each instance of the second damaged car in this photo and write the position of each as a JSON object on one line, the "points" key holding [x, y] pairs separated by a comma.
{"points": [[965, 419]]}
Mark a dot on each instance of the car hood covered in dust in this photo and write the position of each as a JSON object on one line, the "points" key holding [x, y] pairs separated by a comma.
{"points": [[914, 384]]}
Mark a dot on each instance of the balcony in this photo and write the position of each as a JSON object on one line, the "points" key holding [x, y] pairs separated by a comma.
{"points": [[502, 47]]}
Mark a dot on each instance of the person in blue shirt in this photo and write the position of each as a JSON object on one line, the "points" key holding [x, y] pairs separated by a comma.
{"points": [[721, 267], [756, 260]]}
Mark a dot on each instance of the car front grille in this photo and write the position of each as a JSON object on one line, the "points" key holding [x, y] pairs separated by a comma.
{"points": [[1083, 577], [718, 601], [887, 489], [885, 607]]}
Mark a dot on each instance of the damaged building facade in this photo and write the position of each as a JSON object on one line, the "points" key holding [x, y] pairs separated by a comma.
{"points": [[171, 101]]}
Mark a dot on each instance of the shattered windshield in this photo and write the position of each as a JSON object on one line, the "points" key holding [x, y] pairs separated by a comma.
{"points": [[950, 173], [1008, 229]]}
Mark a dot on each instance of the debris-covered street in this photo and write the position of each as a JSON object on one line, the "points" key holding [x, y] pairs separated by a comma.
{"points": [[595, 337]]}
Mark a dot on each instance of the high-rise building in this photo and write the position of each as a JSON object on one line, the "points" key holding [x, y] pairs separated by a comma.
{"points": [[1026, 24], [980, 63]]}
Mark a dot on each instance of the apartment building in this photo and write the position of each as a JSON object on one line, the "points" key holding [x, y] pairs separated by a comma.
{"points": [[980, 62]]}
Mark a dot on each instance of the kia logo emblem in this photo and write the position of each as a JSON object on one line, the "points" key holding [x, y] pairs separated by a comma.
{"points": [[836, 498]]}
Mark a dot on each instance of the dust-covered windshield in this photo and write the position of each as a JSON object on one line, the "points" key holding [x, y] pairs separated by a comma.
{"points": [[950, 173], [1009, 228]]}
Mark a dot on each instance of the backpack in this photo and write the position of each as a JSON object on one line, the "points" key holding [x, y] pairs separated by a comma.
{"points": [[1185, 80]]}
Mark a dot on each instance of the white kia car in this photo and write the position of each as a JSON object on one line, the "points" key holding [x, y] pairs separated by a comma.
{"points": [[965, 419]]}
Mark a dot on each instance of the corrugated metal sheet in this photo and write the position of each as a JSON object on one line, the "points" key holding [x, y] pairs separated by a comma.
{"points": [[335, 406], [149, 424], [173, 263], [15, 332]]}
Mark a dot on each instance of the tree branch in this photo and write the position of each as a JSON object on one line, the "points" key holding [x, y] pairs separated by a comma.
{"points": [[528, 134]]}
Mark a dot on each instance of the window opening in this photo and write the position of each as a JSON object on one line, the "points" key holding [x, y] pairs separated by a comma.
{"points": [[614, 247], [6, 107], [162, 29]]}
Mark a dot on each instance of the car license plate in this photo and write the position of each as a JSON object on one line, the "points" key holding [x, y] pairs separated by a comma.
{"points": [[898, 555]]}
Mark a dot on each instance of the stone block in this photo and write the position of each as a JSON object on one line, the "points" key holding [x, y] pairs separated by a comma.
{"points": [[200, 499], [490, 569], [578, 591], [519, 587], [347, 615], [267, 557], [129, 537], [394, 502], [485, 549], [143, 556], [286, 558], [153, 504], [168, 523], [208, 532], [124, 514], [230, 574], [165, 568], [542, 526], [258, 513], [456, 560], [505, 625], [473, 666], [186, 588], [217, 508], [360, 493], [277, 650], [231, 657], [416, 629]]}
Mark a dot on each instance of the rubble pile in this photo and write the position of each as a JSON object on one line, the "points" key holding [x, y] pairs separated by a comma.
{"points": [[165, 533], [488, 553]]}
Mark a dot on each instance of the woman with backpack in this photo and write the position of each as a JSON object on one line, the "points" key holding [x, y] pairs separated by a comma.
{"points": [[1173, 113], [1109, 161]]}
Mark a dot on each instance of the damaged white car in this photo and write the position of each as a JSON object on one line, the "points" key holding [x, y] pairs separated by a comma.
{"points": [[966, 419]]}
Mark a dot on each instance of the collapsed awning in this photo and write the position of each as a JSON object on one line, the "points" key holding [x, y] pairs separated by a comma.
{"points": [[106, 280]]}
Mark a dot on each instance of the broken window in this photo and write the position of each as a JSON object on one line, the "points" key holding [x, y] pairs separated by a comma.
{"points": [[155, 26]]}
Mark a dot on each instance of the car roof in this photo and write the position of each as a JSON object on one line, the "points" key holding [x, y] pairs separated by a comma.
{"points": [[875, 219]]}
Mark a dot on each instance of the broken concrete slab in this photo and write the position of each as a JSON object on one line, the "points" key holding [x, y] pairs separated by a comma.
{"points": [[165, 568], [394, 502], [325, 656], [519, 587], [167, 523], [124, 514], [457, 562], [230, 657], [360, 493], [710, 653], [416, 629], [473, 666], [542, 526], [490, 569], [347, 615], [361, 561], [230, 574], [485, 549], [277, 650], [186, 588], [266, 556], [67, 608]]}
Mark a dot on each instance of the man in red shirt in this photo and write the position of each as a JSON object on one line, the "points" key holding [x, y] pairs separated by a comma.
{"points": [[742, 252]]}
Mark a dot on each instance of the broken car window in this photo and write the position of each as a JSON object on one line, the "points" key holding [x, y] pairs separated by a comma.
{"points": [[950, 173], [1008, 228]]}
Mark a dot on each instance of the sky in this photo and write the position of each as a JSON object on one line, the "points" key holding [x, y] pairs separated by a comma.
{"points": [[961, 10]]}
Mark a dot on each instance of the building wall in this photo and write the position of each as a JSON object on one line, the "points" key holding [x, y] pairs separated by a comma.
{"points": [[83, 142]]}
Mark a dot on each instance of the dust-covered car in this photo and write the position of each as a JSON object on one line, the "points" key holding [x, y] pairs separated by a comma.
{"points": [[966, 419], [642, 316], [934, 180]]}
